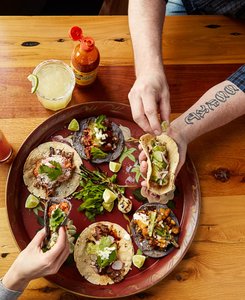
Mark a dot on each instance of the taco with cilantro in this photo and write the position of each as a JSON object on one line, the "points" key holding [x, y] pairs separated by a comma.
{"points": [[99, 140], [103, 253], [162, 159], [55, 215], [52, 170]]}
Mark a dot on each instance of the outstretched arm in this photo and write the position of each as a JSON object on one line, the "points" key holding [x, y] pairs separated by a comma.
{"points": [[218, 106], [221, 104], [150, 93], [32, 262]]}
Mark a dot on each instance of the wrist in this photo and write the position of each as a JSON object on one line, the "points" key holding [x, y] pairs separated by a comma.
{"points": [[13, 280]]}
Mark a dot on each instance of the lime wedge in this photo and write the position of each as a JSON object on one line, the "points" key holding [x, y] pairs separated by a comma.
{"points": [[138, 260], [108, 206], [73, 125], [115, 166], [34, 81], [109, 196], [31, 201]]}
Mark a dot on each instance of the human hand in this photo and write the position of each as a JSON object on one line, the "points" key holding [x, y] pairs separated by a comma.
{"points": [[32, 262], [148, 96]]}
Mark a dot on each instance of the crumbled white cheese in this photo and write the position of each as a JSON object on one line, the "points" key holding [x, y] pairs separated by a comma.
{"points": [[142, 217], [104, 254]]}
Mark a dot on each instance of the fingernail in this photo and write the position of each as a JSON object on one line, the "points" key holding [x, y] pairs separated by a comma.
{"points": [[157, 132]]}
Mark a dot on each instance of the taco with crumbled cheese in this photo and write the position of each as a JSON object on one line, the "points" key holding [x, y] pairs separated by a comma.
{"points": [[99, 140], [155, 229], [162, 159], [103, 253], [52, 170]]}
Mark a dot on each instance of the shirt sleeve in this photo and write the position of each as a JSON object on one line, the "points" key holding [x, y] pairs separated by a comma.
{"points": [[238, 78], [7, 294]]}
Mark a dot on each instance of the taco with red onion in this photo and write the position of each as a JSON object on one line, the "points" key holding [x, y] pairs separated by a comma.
{"points": [[162, 160], [52, 170], [103, 253]]}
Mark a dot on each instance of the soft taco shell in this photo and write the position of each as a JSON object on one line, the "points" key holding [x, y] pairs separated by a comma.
{"points": [[173, 155], [84, 261], [43, 150], [84, 124]]}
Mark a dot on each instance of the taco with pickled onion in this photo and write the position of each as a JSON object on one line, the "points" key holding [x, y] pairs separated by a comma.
{"points": [[52, 170], [103, 253], [162, 160]]}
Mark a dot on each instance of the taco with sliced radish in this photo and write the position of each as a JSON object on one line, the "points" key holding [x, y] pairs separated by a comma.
{"points": [[103, 253], [162, 160], [52, 170]]}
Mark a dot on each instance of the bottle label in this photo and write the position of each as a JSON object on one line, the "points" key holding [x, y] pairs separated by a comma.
{"points": [[85, 78]]}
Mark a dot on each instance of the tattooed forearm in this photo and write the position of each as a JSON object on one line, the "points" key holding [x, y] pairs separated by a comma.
{"points": [[219, 98]]}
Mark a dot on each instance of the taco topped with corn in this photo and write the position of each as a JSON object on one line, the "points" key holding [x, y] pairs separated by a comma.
{"points": [[162, 159]]}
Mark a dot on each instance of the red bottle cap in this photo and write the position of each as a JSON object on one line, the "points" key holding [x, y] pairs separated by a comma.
{"points": [[76, 33], [87, 43]]}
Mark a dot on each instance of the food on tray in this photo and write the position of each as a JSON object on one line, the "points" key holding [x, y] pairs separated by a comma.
{"points": [[155, 229], [56, 215], [52, 170], [99, 140], [162, 159], [103, 253]]}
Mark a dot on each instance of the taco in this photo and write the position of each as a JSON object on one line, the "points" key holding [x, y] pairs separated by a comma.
{"points": [[55, 215], [52, 170], [103, 253], [155, 229], [162, 159], [99, 140]]}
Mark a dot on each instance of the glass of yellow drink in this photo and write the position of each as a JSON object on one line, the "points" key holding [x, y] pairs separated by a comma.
{"points": [[56, 82]]}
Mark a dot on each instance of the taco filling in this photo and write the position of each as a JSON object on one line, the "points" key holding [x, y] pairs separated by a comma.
{"points": [[160, 163], [103, 253], [162, 160], [56, 215], [51, 171], [99, 139], [155, 229]]}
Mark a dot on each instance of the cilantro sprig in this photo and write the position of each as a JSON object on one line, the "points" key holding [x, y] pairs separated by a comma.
{"points": [[52, 172]]}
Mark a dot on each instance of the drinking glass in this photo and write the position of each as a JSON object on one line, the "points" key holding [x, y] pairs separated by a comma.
{"points": [[56, 82]]}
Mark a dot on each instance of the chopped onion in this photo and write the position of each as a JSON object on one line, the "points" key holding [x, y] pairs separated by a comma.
{"points": [[117, 265]]}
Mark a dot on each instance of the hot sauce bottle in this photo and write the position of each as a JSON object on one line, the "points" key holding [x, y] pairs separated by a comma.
{"points": [[85, 58]]}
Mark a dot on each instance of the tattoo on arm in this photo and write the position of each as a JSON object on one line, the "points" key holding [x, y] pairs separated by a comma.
{"points": [[219, 98]]}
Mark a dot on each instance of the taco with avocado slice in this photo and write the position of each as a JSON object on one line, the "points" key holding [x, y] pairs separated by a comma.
{"points": [[99, 140], [103, 253], [52, 170], [162, 159]]}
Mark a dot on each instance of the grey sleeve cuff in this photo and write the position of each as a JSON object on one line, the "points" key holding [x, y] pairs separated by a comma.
{"points": [[7, 294]]}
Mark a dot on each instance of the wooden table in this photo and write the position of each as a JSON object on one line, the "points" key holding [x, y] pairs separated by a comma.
{"points": [[199, 51]]}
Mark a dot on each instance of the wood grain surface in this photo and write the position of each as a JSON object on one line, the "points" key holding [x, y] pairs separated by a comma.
{"points": [[199, 51]]}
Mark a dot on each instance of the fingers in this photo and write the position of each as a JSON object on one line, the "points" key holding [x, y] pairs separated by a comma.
{"points": [[164, 106], [142, 156], [151, 112], [138, 113], [38, 238]]}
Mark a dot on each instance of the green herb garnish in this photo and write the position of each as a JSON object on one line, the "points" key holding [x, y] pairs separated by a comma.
{"points": [[52, 172], [97, 152], [100, 122], [57, 217]]}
